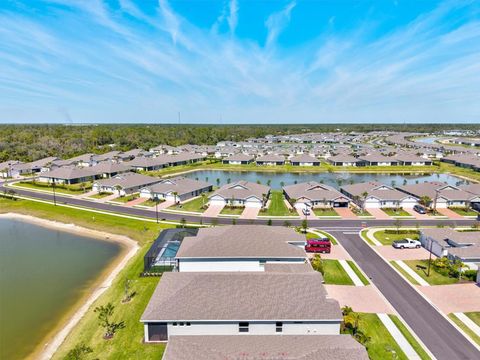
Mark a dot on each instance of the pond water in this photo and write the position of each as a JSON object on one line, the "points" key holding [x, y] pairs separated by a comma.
{"points": [[427, 140], [43, 273], [334, 179]]}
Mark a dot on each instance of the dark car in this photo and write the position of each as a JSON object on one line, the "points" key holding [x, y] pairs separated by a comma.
{"points": [[419, 209]]}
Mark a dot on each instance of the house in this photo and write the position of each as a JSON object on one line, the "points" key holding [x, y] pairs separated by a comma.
{"points": [[240, 248], [456, 245], [240, 193], [441, 194], [412, 160], [290, 347], [106, 169], [84, 160], [67, 175], [343, 160], [6, 168], [148, 163], [374, 195], [304, 160], [270, 160], [177, 189], [314, 194], [238, 159], [240, 303], [124, 184], [375, 159], [33, 167]]}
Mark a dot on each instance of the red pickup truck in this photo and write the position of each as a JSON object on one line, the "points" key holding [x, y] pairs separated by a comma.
{"points": [[318, 245]]}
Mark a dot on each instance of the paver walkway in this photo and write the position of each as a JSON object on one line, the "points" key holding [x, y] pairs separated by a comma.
{"points": [[250, 213], [90, 193], [454, 298], [360, 298], [107, 198], [345, 213], [390, 253], [450, 213], [398, 336], [336, 253], [468, 322], [412, 273], [213, 210], [136, 201], [312, 215], [356, 280], [379, 214]]}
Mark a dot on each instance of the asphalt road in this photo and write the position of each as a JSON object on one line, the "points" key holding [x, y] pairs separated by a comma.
{"points": [[206, 220], [441, 338]]}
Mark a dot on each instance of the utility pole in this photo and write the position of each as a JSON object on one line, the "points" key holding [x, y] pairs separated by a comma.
{"points": [[430, 257], [435, 202]]}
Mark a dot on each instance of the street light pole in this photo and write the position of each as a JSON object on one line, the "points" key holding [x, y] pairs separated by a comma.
{"points": [[430, 257], [54, 197]]}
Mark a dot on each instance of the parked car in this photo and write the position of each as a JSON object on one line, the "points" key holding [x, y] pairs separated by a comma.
{"points": [[318, 245], [306, 212], [406, 244], [419, 209]]}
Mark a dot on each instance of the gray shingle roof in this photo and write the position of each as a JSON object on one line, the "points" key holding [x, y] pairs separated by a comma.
{"points": [[189, 296], [251, 241], [242, 190], [181, 185], [313, 191], [262, 347]]}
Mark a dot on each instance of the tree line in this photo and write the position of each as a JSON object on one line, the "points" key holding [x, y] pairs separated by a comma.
{"points": [[31, 142]]}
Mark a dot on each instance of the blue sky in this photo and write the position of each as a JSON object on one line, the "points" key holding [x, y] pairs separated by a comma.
{"points": [[236, 61]]}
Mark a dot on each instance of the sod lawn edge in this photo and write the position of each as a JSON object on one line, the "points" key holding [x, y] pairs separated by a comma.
{"points": [[410, 338]]}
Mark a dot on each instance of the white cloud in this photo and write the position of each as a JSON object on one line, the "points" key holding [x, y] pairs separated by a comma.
{"points": [[277, 22]]}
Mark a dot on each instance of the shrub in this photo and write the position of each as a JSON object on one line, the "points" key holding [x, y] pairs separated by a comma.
{"points": [[317, 263], [470, 275]]}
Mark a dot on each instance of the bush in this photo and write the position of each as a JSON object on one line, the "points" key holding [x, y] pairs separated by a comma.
{"points": [[317, 264], [470, 275], [393, 231]]}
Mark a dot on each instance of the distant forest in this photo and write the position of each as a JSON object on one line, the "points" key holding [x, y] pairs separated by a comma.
{"points": [[31, 142]]}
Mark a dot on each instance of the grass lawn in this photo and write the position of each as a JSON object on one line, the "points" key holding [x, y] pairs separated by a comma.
{"points": [[474, 316], [71, 190], [363, 234], [227, 210], [435, 278], [388, 239], [359, 212], [127, 343], [325, 212], [357, 271], [334, 273], [381, 344], [327, 235], [149, 203], [277, 205], [411, 340], [464, 212], [404, 273], [126, 198], [194, 205], [395, 212], [465, 328], [100, 195]]}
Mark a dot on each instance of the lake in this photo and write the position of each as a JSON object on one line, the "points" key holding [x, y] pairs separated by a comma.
{"points": [[43, 273], [336, 179]]}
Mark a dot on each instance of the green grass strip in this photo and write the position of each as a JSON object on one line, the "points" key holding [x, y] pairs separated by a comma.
{"points": [[357, 271], [334, 273], [404, 273], [410, 338], [465, 328]]}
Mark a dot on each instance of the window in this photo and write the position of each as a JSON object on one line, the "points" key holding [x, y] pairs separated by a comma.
{"points": [[278, 327], [188, 324], [243, 327], [174, 324]]}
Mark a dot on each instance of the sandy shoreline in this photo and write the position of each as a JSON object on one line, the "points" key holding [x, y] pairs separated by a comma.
{"points": [[104, 281]]}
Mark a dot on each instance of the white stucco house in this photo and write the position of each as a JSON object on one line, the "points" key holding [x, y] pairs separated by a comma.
{"points": [[240, 248], [177, 189], [240, 304], [240, 193], [378, 196]]}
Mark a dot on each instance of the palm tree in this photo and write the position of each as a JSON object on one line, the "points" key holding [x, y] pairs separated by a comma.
{"points": [[425, 201], [204, 196], [175, 196], [364, 195], [118, 188], [218, 181], [282, 184]]}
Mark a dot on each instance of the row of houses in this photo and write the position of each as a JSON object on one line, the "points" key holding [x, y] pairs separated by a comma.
{"points": [[246, 292]]}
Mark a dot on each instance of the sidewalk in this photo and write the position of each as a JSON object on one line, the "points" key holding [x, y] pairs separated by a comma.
{"points": [[356, 280], [468, 322], [398, 336]]}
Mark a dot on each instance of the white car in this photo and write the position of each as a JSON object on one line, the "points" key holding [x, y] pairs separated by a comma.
{"points": [[407, 244]]}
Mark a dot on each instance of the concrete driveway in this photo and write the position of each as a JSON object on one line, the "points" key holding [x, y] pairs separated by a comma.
{"points": [[417, 215], [337, 252], [360, 298], [345, 213], [453, 298], [450, 213], [390, 253], [213, 210], [378, 214], [250, 213], [136, 201], [312, 215]]}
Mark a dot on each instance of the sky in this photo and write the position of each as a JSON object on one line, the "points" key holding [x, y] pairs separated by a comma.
{"points": [[234, 61]]}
